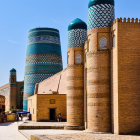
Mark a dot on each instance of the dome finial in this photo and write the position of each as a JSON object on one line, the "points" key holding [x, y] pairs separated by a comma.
{"points": [[13, 70], [97, 2], [77, 24]]}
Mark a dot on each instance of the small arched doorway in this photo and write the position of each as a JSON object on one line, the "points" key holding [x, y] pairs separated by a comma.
{"points": [[2, 103]]}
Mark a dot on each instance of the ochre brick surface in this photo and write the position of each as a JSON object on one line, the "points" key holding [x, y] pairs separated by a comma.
{"points": [[103, 92], [98, 83], [75, 88], [126, 77], [114, 83], [84, 136], [40, 105]]}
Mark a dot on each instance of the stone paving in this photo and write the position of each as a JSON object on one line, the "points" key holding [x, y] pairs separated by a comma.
{"points": [[42, 125], [28, 123], [84, 136], [44, 132], [9, 131], [52, 134], [55, 134]]}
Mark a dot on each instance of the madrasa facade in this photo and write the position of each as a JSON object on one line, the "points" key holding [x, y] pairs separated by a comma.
{"points": [[99, 91]]}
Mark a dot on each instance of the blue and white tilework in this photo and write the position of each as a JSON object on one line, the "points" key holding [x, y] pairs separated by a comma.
{"points": [[100, 16], [44, 39], [43, 59], [77, 37]]}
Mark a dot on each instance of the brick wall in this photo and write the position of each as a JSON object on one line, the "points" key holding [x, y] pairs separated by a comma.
{"points": [[127, 92], [114, 82], [40, 106], [44, 104], [75, 88], [32, 107], [98, 82]]}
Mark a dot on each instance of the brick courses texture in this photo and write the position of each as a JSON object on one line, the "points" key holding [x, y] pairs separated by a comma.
{"points": [[125, 76]]}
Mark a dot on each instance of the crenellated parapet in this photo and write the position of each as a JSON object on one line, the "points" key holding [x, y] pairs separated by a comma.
{"points": [[126, 20]]}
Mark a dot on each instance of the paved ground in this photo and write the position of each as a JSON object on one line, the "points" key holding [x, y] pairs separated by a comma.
{"points": [[9, 131], [41, 125], [87, 136], [73, 135], [28, 123], [54, 132]]}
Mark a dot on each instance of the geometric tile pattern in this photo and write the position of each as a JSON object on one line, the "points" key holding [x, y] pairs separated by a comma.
{"points": [[77, 37], [34, 79], [44, 39], [43, 48], [100, 16], [31, 80], [42, 68], [43, 59]]}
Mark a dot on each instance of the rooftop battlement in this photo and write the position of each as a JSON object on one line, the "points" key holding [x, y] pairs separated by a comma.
{"points": [[126, 20]]}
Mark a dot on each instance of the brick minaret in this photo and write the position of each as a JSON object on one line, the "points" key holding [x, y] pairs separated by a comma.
{"points": [[77, 35], [13, 89], [100, 17]]}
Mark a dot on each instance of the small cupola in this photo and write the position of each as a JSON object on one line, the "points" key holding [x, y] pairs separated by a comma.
{"points": [[77, 24]]}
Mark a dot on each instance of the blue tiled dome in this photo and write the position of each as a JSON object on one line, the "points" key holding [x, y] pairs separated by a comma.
{"points": [[12, 70], [77, 24], [96, 2]]}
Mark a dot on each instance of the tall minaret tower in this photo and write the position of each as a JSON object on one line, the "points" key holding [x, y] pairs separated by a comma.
{"points": [[13, 90], [43, 59], [100, 17], [77, 35]]}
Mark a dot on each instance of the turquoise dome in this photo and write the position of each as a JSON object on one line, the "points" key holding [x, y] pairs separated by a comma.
{"points": [[12, 70], [77, 24], [97, 2]]}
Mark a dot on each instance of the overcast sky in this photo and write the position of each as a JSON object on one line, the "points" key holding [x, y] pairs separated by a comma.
{"points": [[17, 17]]}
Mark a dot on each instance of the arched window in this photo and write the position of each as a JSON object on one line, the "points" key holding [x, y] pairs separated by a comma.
{"points": [[103, 43], [78, 59], [89, 45], [114, 41]]}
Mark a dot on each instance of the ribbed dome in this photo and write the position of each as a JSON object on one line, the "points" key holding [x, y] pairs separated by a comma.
{"points": [[96, 2], [77, 24], [12, 70]]}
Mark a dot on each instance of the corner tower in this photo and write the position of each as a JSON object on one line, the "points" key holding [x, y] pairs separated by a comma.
{"points": [[100, 17], [77, 35], [43, 58]]}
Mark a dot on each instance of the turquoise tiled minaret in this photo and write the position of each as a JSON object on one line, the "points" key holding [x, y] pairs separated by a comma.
{"points": [[43, 58], [77, 33], [100, 13]]}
